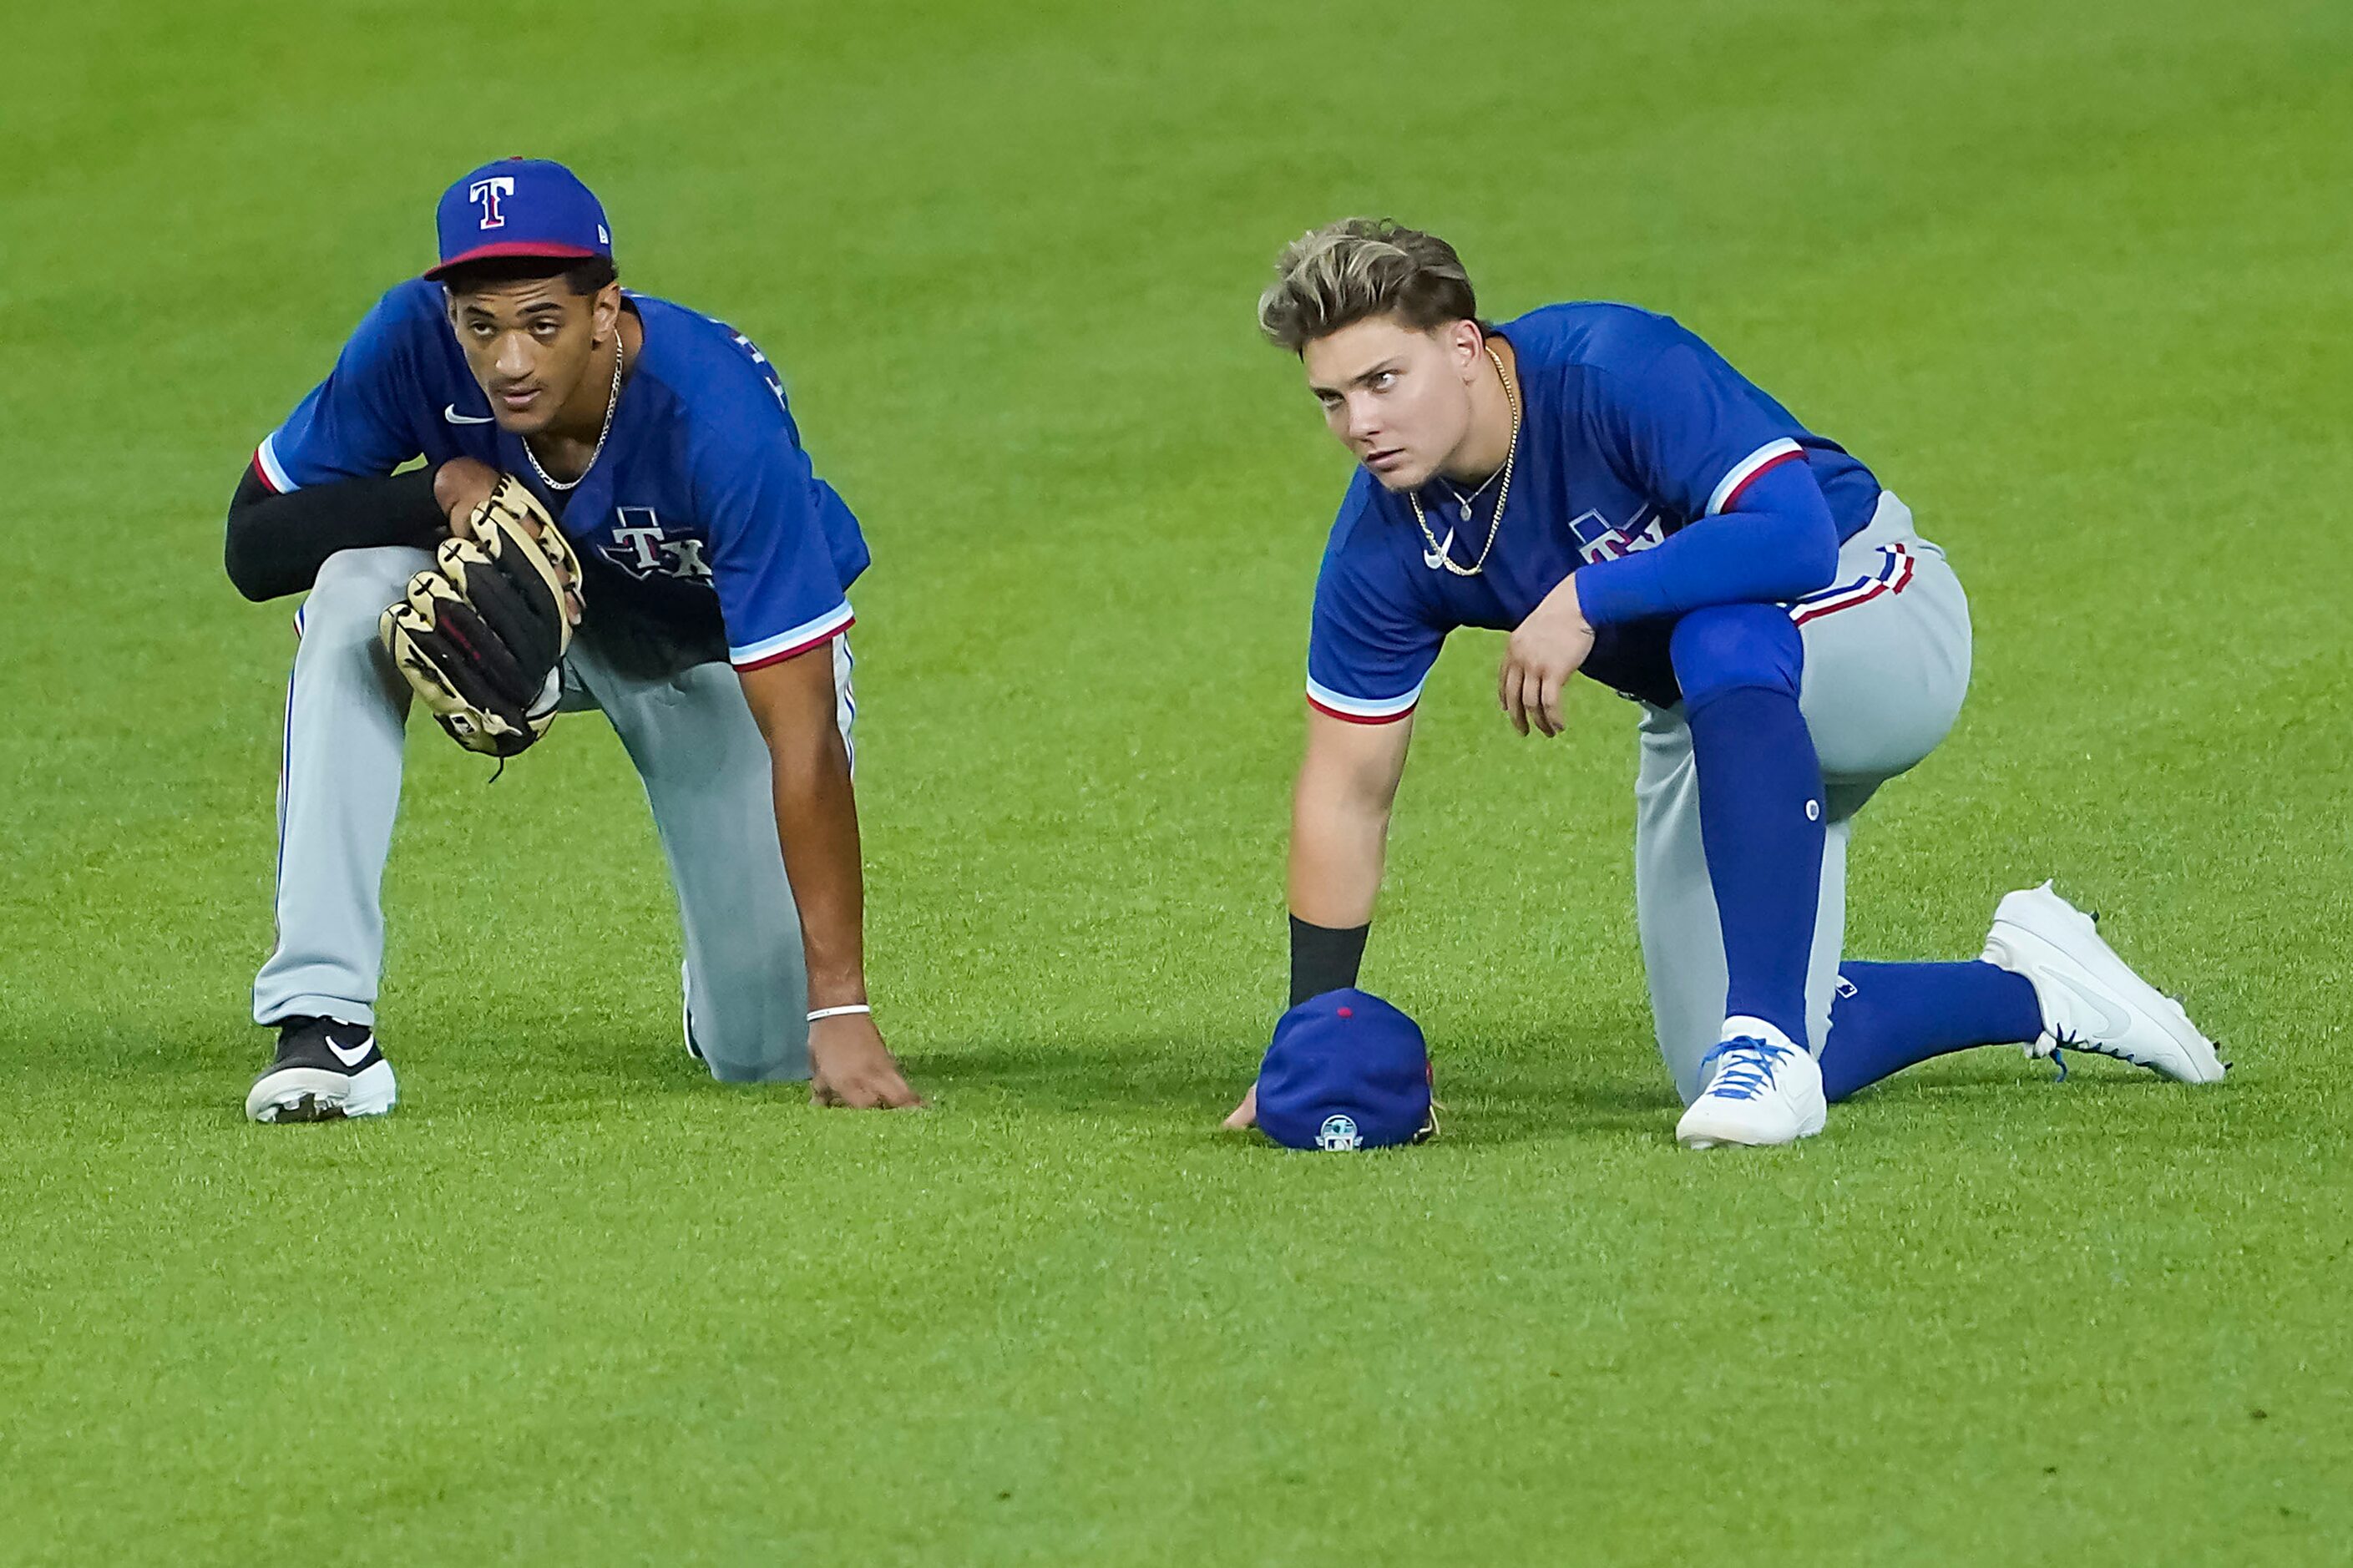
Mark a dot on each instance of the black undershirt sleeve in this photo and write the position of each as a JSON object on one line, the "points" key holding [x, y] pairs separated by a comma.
{"points": [[278, 542], [1324, 958]]}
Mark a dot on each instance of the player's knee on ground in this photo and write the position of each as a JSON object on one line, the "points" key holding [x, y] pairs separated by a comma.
{"points": [[774, 1061], [750, 1022], [1727, 647]]}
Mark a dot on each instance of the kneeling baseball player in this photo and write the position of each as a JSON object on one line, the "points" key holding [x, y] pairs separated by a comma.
{"points": [[1600, 483], [614, 509]]}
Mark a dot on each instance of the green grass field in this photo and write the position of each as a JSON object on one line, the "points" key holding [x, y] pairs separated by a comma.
{"points": [[2073, 280]]}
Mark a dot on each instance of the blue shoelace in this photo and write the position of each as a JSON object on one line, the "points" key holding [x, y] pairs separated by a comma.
{"points": [[1750, 1072]]}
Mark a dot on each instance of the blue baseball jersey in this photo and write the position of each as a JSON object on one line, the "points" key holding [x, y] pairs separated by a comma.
{"points": [[1631, 428], [702, 498]]}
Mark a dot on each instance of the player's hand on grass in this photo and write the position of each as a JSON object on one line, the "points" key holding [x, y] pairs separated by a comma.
{"points": [[1245, 1115], [459, 487], [1546, 650], [851, 1067]]}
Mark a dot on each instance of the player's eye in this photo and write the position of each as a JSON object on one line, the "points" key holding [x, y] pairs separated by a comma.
{"points": [[1384, 380]]}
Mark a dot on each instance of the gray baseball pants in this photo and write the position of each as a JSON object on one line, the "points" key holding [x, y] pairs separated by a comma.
{"points": [[707, 777], [1886, 666]]}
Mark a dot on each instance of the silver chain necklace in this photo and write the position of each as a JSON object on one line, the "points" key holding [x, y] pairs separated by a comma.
{"points": [[611, 404]]}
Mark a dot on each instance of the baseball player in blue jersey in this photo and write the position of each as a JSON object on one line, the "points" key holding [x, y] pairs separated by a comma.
{"points": [[716, 572], [1599, 482]]}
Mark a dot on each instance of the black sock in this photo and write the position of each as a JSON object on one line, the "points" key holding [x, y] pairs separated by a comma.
{"points": [[1324, 958]]}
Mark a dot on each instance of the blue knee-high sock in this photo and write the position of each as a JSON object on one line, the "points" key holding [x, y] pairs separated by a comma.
{"points": [[1760, 801], [1887, 1017]]}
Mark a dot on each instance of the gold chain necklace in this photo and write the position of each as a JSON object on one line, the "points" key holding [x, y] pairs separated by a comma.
{"points": [[1443, 555]]}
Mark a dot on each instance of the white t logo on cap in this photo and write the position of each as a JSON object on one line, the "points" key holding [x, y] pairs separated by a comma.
{"points": [[488, 193]]}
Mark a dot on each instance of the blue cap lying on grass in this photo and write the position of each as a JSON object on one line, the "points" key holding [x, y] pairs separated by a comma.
{"points": [[1346, 1070]]}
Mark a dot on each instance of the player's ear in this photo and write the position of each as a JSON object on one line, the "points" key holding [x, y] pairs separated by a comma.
{"points": [[605, 312], [1463, 340]]}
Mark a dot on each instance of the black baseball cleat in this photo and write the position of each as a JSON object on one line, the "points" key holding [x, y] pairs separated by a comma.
{"points": [[326, 1069]]}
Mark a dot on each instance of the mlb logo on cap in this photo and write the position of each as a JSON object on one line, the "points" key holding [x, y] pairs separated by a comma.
{"points": [[519, 206], [1346, 1070]]}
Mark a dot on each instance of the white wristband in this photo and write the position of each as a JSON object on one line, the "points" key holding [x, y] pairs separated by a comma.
{"points": [[839, 1012]]}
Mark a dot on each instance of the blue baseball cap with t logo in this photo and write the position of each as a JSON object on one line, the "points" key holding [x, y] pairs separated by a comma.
{"points": [[1346, 1070], [519, 206]]}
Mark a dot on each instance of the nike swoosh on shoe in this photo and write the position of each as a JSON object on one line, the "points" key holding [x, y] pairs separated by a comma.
{"points": [[2114, 1020]]}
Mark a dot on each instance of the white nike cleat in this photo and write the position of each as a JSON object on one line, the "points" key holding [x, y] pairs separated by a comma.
{"points": [[2090, 999], [1764, 1092], [325, 1070]]}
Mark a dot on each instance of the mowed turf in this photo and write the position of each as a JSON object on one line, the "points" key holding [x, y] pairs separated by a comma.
{"points": [[2075, 285]]}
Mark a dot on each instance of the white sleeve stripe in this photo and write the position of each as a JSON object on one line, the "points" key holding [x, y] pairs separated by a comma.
{"points": [[1746, 469], [271, 469], [809, 634], [1362, 707]]}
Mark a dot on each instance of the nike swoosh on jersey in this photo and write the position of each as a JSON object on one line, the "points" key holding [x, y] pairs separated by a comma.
{"points": [[352, 1056], [450, 412], [1433, 559]]}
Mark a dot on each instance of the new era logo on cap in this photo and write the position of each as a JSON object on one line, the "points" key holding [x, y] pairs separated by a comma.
{"points": [[519, 206], [1345, 1070]]}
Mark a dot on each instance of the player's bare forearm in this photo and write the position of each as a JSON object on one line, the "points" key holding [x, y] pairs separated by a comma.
{"points": [[817, 819], [1549, 645], [1340, 816], [1339, 837]]}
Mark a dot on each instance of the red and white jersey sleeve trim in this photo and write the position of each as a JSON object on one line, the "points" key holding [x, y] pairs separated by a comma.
{"points": [[1728, 490], [265, 463], [800, 639], [1359, 710]]}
